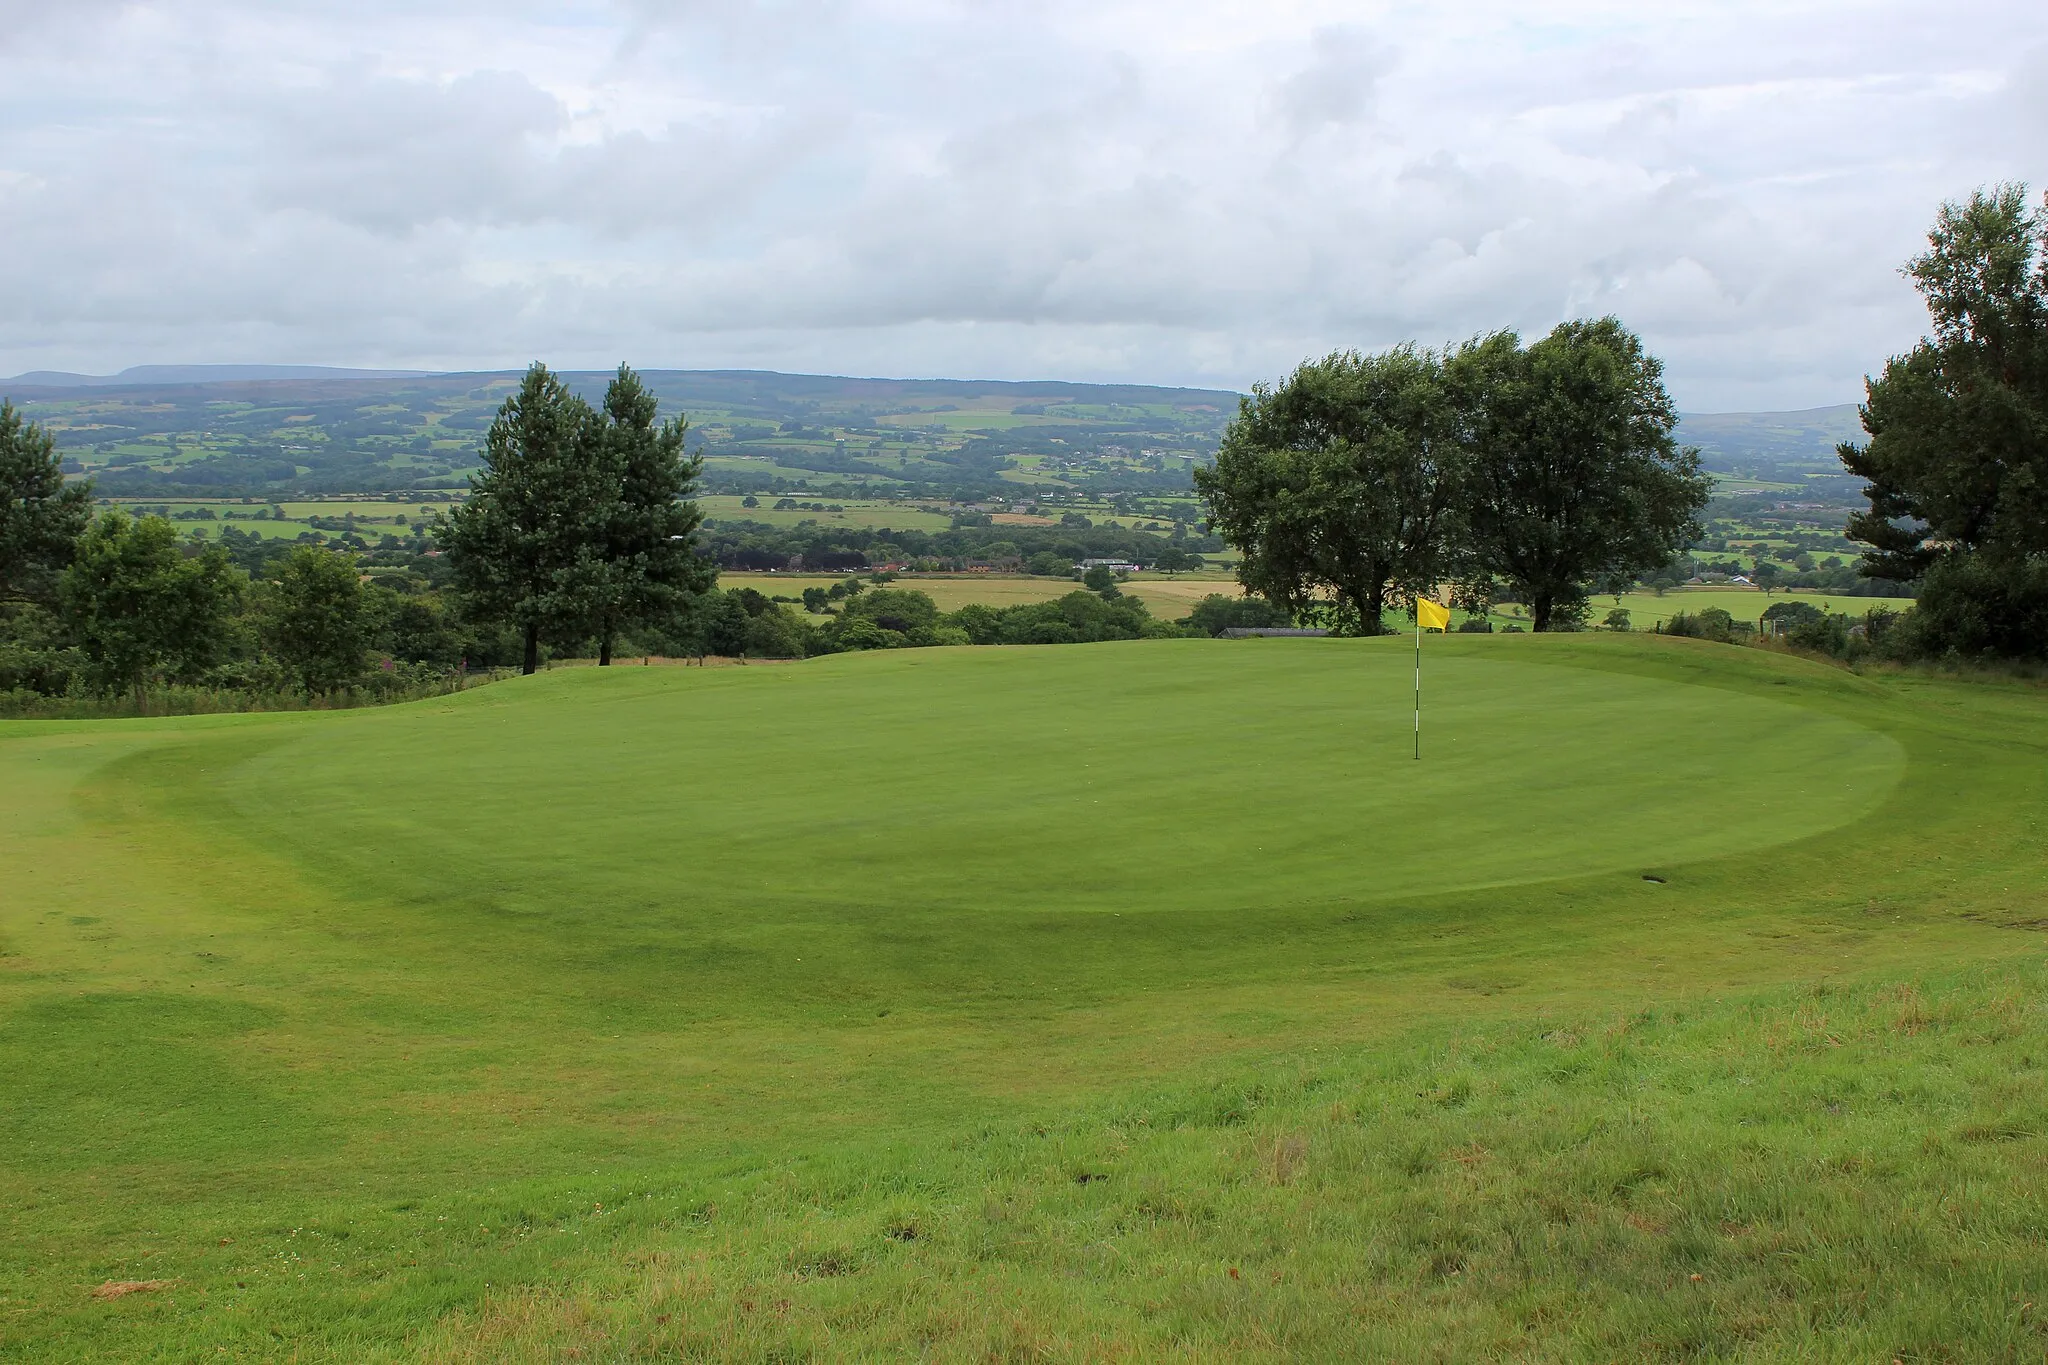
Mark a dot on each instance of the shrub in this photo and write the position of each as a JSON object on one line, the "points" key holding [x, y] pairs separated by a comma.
{"points": [[1978, 606], [1216, 613], [1050, 564]]}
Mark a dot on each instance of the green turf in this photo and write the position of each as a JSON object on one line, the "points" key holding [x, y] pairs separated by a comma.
{"points": [[1130, 1001]]}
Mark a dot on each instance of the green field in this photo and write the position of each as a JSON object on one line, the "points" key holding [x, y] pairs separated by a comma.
{"points": [[1139, 1001], [1169, 598], [894, 515], [1647, 609]]}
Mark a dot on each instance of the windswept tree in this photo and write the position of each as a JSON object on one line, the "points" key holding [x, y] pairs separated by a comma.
{"points": [[41, 515], [543, 498], [1957, 461], [1574, 480], [1338, 487], [638, 563]]}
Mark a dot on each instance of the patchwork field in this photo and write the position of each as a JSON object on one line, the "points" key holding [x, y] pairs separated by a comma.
{"points": [[1142, 1001], [1172, 597]]}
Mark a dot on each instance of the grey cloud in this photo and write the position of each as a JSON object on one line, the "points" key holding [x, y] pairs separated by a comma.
{"points": [[1337, 87], [883, 187]]}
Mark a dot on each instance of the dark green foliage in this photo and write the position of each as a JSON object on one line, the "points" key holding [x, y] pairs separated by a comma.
{"points": [[1711, 623], [1979, 606], [140, 607], [902, 610], [776, 635], [1957, 460], [1824, 633], [1787, 615], [315, 622], [637, 563], [1216, 613], [533, 514], [1078, 618], [1575, 481], [1101, 582], [1050, 564], [41, 516], [1958, 451], [1339, 485]]}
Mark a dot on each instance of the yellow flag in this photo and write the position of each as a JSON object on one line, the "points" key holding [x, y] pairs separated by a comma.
{"points": [[1430, 616]]}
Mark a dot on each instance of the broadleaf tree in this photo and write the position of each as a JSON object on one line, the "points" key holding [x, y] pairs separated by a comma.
{"points": [[1338, 486], [41, 513], [141, 606], [1574, 481], [316, 626]]}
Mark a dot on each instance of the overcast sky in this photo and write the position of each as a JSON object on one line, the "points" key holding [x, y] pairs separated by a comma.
{"points": [[1183, 192]]}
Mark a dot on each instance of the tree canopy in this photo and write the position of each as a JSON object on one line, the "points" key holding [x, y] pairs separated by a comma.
{"points": [[41, 515], [1366, 479], [139, 606], [579, 524], [1338, 485], [1574, 479], [1957, 458]]}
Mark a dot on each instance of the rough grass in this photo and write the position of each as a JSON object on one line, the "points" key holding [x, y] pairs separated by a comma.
{"points": [[508, 1026]]}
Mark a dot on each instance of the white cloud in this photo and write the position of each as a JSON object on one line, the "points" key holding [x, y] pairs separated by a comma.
{"points": [[1200, 192]]}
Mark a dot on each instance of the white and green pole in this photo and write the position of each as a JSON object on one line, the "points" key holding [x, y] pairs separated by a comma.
{"points": [[1418, 685]]}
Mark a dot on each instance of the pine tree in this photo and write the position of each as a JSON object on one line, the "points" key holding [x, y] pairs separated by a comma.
{"points": [[638, 564], [533, 515]]}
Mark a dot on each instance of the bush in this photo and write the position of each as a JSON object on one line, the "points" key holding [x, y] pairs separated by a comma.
{"points": [[776, 635], [1711, 623], [1216, 613], [899, 609], [1973, 606], [861, 632], [1050, 564], [1476, 625]]}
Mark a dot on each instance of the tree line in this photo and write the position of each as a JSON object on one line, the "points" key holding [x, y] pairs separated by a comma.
{"points": [[1537, 473]]}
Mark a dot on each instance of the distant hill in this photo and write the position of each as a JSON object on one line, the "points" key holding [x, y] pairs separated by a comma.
{"points": [[199, 374], [1757, 444], [272, 431], [269, 430]]}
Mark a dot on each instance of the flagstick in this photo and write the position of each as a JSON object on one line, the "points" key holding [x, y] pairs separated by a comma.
{"points": [[1418, 686]]}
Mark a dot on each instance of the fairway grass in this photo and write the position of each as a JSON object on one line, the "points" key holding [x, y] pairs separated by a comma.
{"points": [[1136, 1001]]}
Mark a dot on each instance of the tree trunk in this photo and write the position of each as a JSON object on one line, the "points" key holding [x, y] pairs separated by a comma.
{"points": [[604, 651], [532, 660], [1539, 612], [1372, 610]]}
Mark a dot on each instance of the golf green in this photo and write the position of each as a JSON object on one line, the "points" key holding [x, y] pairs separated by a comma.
{"points": [[977, 782]]}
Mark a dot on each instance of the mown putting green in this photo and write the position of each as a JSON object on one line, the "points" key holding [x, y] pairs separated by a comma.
{"points": [[1001, 783], [1142, 1000]]}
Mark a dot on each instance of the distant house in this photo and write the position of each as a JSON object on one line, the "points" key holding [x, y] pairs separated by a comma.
{"points": [[1113, 565]]}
